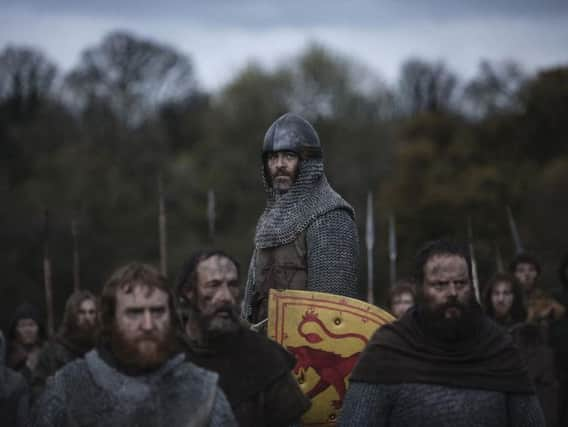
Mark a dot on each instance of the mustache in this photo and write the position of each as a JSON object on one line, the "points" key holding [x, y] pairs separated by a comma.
{"points": [[229, 309], [439, 311], [282, 175], [149, 336]]}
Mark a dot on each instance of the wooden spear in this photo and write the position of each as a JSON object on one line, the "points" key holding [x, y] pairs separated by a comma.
{"points": [[47, 276], [76, 259], [162, 227]]}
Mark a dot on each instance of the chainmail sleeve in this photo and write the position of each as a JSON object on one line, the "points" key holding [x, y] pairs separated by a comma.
{"points": [[525, 411], [222, 414], [49, 410], [333, 254], [366, 405]]}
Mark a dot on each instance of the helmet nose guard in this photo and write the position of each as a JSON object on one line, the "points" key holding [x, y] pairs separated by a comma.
{"points": [[291, 132]]}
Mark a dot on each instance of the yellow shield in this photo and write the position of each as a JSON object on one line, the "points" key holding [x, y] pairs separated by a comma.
{"points": [[326, 333]]}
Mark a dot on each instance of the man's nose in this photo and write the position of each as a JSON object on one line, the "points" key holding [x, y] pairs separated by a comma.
{"points": [[147, 322], [452, 289], [280, 161], [224, 295]]}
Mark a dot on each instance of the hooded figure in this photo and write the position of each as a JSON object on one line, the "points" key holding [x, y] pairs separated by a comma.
{"points": [[25, 338], [306, 238]]}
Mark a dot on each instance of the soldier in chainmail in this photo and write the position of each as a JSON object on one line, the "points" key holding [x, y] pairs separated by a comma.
{"points": [[306, 238], [443, 363], [136, 376]]}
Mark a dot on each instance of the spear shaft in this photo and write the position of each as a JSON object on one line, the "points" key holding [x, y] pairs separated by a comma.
{"points": [[392, 249], [162, 227], [211, 213], [47, 276], [370, 243], [76, 259], [514, 232], [474, 276], [499, 259]]}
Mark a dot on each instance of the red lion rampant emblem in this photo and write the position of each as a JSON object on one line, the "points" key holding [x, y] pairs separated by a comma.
{"points": [[332, 368]]}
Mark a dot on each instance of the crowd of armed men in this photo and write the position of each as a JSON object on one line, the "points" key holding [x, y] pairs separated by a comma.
{"points": [[145, 352]]}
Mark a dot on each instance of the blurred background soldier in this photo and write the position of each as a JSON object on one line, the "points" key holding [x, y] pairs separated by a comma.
{"points": [[504, 301], [306, 238], [443, 362], [135, 377], [13, 393], [558, 339], [540, 305], [25, 340], [76, 337], [402, 296], [255, 372]]}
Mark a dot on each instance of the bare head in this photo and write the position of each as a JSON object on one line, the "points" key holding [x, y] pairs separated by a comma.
{"points": [[446, 292], [138, 316], [209, 283], [402, 297], [526, 269]]}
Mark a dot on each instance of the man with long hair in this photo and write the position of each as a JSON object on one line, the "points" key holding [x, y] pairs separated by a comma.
{"points": [[254, 372], [503, 300], [136, 376], [75, 337]]}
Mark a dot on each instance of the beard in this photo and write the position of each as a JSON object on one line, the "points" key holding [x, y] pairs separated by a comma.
{"points": [[453, 329], [143, 353], [221, 322], [279, 182]]}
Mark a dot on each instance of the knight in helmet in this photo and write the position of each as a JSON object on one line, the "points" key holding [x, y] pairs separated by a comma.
{"points": [[306, 238]]}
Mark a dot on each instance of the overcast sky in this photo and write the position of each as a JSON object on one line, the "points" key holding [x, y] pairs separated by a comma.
{"points": [[222, 35]]}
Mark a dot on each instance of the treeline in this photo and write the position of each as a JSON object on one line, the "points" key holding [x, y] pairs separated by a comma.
{"points": [[91, 145]]}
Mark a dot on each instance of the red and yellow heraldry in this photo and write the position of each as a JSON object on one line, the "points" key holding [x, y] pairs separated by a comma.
{"points": [[326, 333]]}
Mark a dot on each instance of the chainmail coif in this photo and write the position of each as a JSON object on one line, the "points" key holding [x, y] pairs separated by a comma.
{"points": [[313, 206]]}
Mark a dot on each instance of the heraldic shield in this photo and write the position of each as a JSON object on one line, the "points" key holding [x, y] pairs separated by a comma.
{"points": [[326, 333]]}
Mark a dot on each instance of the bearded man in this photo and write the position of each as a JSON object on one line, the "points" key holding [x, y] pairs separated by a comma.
{"points": [[75, 338], [255, 373], [443, 363], [306, 238], [136, 376]]}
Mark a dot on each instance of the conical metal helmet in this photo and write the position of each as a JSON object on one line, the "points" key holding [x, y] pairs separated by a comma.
{"points": [[292, 132]]}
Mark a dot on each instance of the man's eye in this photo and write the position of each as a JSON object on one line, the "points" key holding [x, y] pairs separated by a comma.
{"points": [[134, 312], [214, 284]]}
